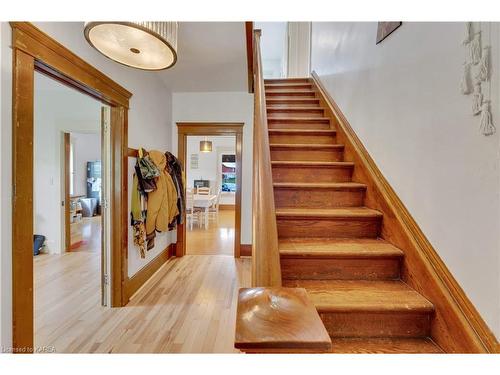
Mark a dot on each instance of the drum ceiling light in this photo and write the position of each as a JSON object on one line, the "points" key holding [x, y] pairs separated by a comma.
{"points": [[141, 45], [205, 146]]}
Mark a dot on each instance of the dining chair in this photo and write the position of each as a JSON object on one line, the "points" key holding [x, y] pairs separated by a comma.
{"points": [[213, 210], [203, 191], [192, 213]]}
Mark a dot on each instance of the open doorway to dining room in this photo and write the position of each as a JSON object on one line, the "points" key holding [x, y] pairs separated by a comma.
{"points": [[210, 194], [211, 156]]}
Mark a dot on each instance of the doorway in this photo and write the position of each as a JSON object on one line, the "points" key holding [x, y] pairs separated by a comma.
{"points": [[34, 51], [211, 186], [70, 253], [211, 156]]}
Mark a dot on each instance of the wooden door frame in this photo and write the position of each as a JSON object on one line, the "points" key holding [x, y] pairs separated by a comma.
{"points": [[185, 129], [33, 50], [67, 152]]}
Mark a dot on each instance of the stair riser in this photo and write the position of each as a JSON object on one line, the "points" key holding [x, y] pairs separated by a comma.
{"points": [[290, 94], [328, 227], [289, 86], [309, 173], [295, 269], [292, 103], [301, 139], [298, 125], [369, 324], [286, 80], [317, 198], [272, 114], [288, 154]]}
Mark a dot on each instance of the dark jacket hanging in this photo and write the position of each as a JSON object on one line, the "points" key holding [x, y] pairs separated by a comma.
{"points": [[174, 168]]}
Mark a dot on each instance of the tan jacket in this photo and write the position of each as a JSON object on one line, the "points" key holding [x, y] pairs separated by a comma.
{"points": [[162, 203]]}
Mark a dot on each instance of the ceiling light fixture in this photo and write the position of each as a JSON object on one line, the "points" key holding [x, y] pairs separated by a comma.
{"points": [[205, 146], [141, 45]]}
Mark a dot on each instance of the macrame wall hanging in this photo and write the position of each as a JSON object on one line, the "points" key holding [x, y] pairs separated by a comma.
{"points": [[476, 72], [465, 83]]}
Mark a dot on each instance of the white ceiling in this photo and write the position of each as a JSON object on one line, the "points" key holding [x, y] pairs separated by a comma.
{"points": [[211, 56]]}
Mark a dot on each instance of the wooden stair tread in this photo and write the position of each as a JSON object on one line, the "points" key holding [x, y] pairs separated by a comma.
{"points": [[278, 319], [321, 185], [314, 146], [348, 212], [363, 295], [338, 248], [385, 345]]}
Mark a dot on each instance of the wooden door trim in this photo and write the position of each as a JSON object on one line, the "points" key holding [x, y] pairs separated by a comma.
{"points": [[186, 129], [33, 50], [55, 59]]}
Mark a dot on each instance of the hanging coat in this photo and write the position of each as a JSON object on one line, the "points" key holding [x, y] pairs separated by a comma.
{"points": [[174, 168], [146, 172], [162, 203], [138, 215]]}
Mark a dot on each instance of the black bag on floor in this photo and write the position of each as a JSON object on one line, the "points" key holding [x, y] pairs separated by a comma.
{"points": [[38, 241]]}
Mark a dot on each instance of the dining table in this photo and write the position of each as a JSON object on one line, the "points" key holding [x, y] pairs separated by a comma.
{"points": [[204, 201]]}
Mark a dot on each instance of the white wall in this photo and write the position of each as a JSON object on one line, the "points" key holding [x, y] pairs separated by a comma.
{"points": [[274, 48], [58, 109], [222, 107], [402, 99], [5, 186], [299, 49], [3, 294], [86, 147], [148, 124]]}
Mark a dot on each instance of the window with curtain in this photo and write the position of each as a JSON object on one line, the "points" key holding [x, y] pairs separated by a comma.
{"points": [[228, 173]]}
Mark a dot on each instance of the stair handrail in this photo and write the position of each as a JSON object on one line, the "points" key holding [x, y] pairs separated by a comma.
{"points": [[266, 269]]}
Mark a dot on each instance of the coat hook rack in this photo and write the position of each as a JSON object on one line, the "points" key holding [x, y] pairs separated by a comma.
{"points": [[132, 152]]}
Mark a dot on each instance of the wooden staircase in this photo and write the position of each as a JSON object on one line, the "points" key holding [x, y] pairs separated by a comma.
{"points": [[329, 242]]}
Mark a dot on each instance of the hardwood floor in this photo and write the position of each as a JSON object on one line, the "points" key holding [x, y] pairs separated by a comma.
{"points": [[218, 239], [91, 235], [188, 306]]}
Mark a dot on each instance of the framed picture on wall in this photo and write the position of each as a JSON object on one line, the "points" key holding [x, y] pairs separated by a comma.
{"points": [[194, 161], [384, 29]]}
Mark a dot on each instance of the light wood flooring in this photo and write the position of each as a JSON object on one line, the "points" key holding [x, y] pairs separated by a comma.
{"points": [[218, 239], [91, 235], [188, 306]]}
